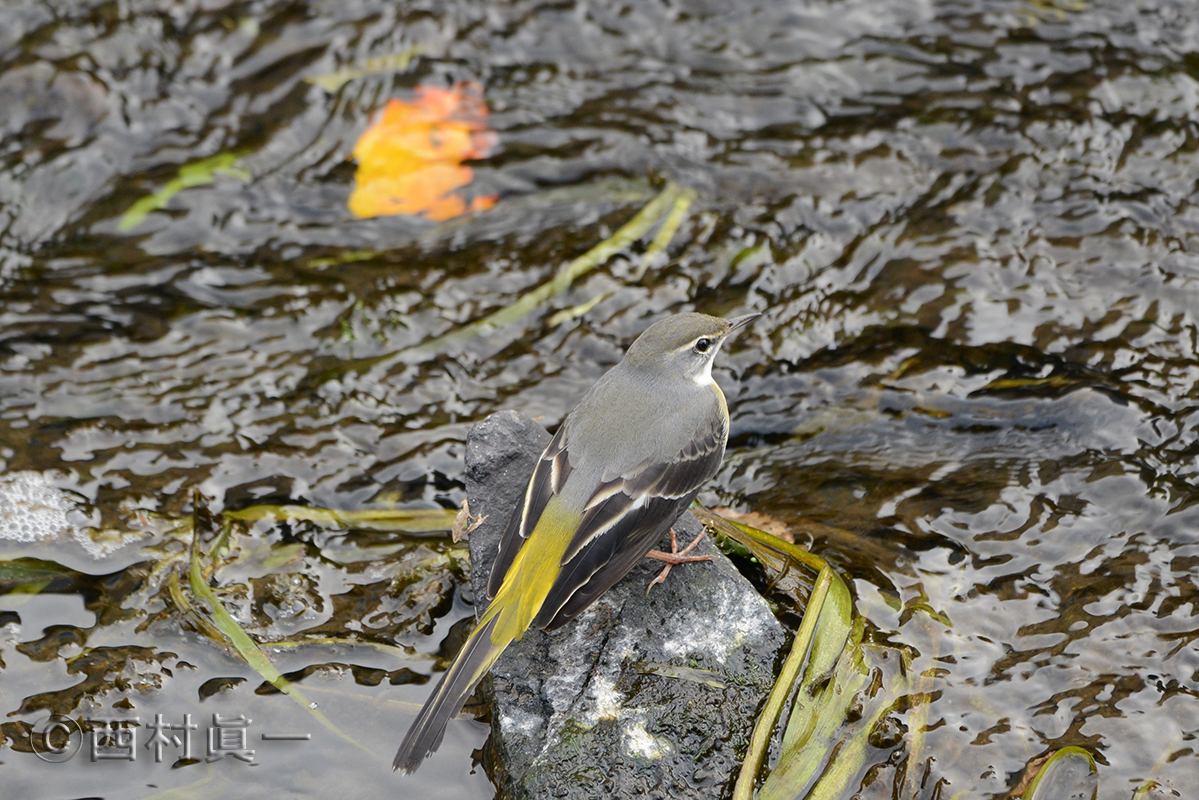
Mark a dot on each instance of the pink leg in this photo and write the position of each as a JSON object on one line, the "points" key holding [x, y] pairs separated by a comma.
{"points": [[675, 556]]}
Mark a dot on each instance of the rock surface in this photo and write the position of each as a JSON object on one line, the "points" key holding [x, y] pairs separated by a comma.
{"points": [[639, 696]]}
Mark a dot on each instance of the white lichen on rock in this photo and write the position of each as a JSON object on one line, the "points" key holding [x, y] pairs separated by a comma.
{"points": [[606, 701], [739, 622], [519, 723], [640, 742]]}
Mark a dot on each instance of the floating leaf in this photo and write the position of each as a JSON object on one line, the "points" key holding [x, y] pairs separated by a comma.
{"points": [[410, 159]]}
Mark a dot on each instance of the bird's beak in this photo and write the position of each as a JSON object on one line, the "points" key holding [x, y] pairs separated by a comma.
{"points": [[737, 322]]}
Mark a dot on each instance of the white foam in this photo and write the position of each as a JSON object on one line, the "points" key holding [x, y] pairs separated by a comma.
{"points": [[32, 508]]}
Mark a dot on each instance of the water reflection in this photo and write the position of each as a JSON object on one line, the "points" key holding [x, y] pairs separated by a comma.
{"points": [[971, 227]]}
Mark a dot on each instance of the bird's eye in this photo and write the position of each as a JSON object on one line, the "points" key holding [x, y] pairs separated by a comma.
{"points": [[702, 344]]}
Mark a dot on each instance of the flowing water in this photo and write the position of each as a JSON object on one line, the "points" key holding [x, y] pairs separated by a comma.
{"points": [[970, 226]]}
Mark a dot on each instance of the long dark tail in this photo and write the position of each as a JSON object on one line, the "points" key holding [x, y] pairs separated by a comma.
{"points": [[506, 619], [472, 662]]}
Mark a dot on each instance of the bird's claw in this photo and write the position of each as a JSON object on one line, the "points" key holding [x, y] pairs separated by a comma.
{"points": [[675, 556]]}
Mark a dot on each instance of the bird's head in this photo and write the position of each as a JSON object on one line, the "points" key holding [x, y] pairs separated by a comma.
{"points": [[683, 346]]}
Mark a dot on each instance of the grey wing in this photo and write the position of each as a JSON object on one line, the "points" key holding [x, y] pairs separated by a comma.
{"points": [[548, 476], [624, 520]]}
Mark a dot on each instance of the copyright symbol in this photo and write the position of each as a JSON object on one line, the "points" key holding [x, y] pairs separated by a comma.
{"points": [[55, 738]]}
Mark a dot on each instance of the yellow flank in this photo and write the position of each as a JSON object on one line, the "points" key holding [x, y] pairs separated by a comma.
{"points": [[724, 406], [531, 575]]}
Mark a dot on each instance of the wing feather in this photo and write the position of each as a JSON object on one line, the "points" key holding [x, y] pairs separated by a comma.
{"points": [[608, 559], [548, 478], [671, 480], [627, 517]]}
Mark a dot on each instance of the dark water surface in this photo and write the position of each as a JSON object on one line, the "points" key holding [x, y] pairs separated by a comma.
{"points": [[971, 228]]}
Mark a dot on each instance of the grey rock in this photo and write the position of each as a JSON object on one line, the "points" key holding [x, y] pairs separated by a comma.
{"points": [[639, 696]]}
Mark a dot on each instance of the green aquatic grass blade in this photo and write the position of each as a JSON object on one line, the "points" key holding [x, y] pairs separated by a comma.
{"points": [[847, 758], [396, 62], [175, 591], [349, 257], [837, 619], [197, 173], [1068, 774], [656, 252], [927, 622], [767, 548], [18, 574], [1050, 382], [815, 740], [516, 311], [825, 670], [283, 555], [764, 726], [833, 628], [399, 519], [1151, 787], [24, 578], [1152, 790], [1035, 12], [397, 651], [617, 191], [246, 647], [611, 191], [574, 312], [28, 590], [836, 752]]}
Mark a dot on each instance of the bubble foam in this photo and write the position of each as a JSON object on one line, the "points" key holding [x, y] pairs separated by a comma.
{"points": [[32, 508]]}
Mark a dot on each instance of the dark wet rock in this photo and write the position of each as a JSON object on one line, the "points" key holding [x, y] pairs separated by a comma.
{"points": [[640, 696]]}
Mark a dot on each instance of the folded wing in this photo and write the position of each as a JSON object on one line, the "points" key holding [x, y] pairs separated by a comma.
{"points": [[624, 519], [548, 477]]}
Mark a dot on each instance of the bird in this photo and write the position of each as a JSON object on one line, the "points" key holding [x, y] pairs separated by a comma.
{"points": [[623, 466]]}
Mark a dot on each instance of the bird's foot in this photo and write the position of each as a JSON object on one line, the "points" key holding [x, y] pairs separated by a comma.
{"points": [[675, 556]]}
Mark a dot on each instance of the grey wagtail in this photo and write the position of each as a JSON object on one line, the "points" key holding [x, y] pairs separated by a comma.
{"points": [[624, 465]]}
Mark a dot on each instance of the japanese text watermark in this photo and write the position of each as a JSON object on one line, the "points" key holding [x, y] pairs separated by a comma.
{"points": [[58, 738]]}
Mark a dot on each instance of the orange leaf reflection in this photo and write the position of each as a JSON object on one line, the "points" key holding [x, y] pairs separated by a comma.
{"points": [[410, 158]]}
